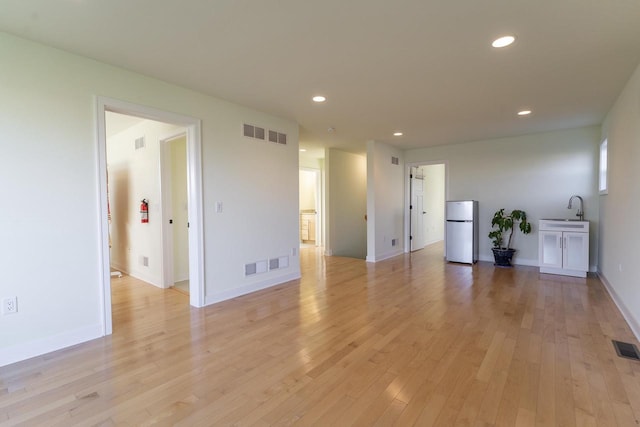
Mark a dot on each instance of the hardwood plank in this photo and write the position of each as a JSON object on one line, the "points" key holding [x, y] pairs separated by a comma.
{"points": [[407, 341]]}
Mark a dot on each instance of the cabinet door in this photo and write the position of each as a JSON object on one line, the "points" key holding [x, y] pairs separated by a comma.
{"points": [[550, 249], [576, 251]]}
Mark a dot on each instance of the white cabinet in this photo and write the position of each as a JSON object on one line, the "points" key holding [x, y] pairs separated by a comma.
{"points": [[308, 227], [564, 247], [550, 249]]}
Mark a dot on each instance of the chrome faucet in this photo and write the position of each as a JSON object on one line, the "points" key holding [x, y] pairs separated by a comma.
{"points": [[580, 213]]}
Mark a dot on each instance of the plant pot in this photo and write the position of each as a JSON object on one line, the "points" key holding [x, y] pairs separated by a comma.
{"points": [[503, 256]]}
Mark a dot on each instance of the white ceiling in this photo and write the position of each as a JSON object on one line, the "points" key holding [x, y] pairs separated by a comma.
{"points": [[421, 66], [116, 123]]}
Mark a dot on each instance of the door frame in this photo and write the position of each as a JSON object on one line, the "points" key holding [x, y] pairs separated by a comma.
{"points": [[194, 193], [407, 196], [418, 214]]}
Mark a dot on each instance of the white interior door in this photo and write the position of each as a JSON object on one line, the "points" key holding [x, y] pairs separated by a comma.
{"points": [[179, 209], [417, 210]]}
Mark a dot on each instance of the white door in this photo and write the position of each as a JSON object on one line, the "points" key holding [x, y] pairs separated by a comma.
{"points": [[576, 251], [417, 210], [550, 249], [179, 209]]}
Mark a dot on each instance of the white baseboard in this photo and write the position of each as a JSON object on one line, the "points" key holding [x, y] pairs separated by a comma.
{"points": [[382, 257], [247, 289], [431, 242], [633, 323], [515, 261], [119, 267], [24, 351], [146, 278], [140, 275]]}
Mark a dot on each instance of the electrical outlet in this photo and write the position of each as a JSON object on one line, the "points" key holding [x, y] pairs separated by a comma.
{"points": [[10, 305]]}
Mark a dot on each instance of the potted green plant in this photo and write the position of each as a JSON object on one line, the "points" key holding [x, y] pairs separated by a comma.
{"points": [[503, 223]]}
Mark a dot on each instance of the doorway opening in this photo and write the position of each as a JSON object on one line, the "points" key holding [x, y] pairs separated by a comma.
{"points": [[181, 127], [310, 207], [426, 205]]}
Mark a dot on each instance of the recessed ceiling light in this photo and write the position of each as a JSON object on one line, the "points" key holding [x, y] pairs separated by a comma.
{"points": [[319, 98], [397, 134], [524, 112], [302, 150], [503, 41]]}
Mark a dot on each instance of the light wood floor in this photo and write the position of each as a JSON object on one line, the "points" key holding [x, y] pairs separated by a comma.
{"points": [[182, 286], [407, 341]]}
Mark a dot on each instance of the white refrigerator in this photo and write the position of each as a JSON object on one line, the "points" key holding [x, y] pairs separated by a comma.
{"points": [[462, 231]]}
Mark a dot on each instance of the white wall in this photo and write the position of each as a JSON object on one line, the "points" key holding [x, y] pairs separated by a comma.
{"points": [[307, 190], [135, 175], [311, 162], [385, 202], [49, 164], [537, 173], [434, 198], [346, 204], [619, 231]]}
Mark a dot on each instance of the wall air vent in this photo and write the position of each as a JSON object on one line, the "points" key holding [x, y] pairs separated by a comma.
{"points": [[252, 131], [257, 132], [261, 266], [395, 160], [250, 269], [248, 130], [266, 265], [277, 263], [277, 137], [139, 143]]}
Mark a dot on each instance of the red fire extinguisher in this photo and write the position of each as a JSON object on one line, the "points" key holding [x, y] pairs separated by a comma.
{"points": [[144, 211]]}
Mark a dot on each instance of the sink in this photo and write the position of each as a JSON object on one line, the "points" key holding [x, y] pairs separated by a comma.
{"points": [[563, 224]]}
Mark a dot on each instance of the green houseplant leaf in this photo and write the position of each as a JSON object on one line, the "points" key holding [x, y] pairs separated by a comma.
{"points": [[503, 222]]}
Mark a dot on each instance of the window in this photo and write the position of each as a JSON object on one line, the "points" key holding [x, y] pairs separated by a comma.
{"points": [[602, 186]]}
